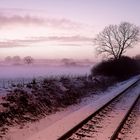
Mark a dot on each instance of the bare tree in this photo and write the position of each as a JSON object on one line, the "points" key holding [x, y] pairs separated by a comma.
{"points": [[28, 59], [16, 59], [114, 40], [8, 59]]}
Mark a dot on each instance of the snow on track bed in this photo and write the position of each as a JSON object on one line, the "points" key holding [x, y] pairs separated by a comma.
{"points": [[131, 128], [103, 125], [62, 126]]}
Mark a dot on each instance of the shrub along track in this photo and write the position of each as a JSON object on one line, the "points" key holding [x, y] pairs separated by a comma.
{"points": [[39, 98], [107, 122]]}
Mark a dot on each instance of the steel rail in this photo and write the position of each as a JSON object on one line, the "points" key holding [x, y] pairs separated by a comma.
{"points": [[121, 124], [75, 128]]}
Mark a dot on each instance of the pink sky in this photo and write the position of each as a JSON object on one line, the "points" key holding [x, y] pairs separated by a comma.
{"points": [[58, 29]]}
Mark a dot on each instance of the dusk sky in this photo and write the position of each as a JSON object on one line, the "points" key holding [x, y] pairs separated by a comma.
{"points": [[60, 28]]}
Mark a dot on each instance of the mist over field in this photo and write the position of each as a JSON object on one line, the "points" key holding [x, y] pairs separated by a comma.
{"points": [[44, 68], [35, 71]]}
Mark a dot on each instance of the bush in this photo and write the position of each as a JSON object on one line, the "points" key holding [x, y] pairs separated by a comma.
{"points": [[37, 99], [137, 59], [122, 68]]}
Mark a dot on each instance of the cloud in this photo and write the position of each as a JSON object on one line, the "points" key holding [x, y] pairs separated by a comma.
{"points": [[10, 44], [13, 20], [75, 38], [19, 10], [16, 19], [65, 40], [21, 17]]}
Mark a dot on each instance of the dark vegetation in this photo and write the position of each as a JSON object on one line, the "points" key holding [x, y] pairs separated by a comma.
{"points": [[37, 99], [33, 101], [121, 68]]}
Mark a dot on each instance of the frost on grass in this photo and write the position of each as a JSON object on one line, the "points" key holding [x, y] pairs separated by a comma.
{"points": [[38, 98]]}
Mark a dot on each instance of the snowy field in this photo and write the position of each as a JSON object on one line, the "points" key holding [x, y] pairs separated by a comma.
{"points": [[7, 72], [22, 74]]}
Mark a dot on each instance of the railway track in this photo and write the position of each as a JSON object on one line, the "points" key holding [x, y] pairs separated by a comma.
{"points": [[129, 127], [107, 122]]}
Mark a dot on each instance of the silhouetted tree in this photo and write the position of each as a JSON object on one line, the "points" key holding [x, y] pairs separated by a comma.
{"points": [[28, 59], [16, 59], [8, 59], [114, 40], [137, 57], [68, 62]]}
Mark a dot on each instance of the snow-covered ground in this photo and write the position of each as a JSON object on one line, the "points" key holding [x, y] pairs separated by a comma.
{"points": [[132, 130], [31, 71], [25, 73], [51, 126], [107, 125]]}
